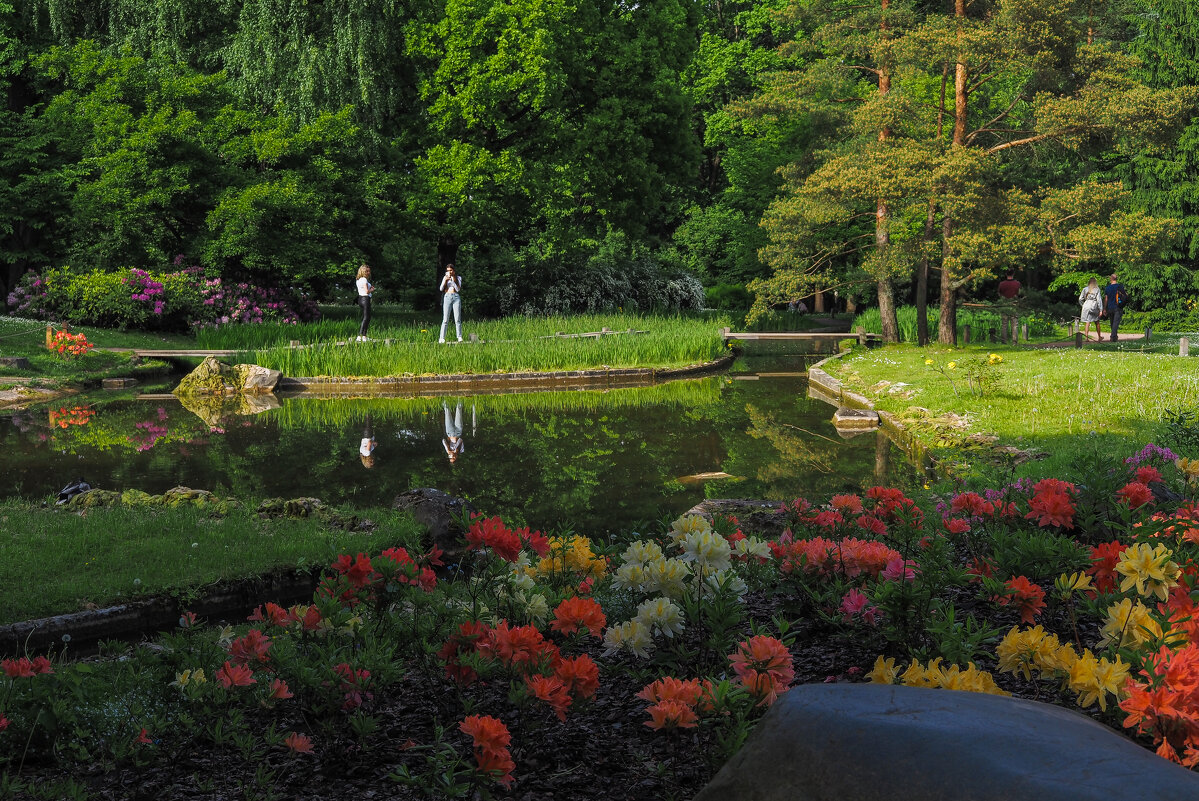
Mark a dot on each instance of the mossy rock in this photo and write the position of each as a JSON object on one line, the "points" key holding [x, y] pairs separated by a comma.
{"points": [[186, 496], [210, 378], [135, 499], [94, 498]]}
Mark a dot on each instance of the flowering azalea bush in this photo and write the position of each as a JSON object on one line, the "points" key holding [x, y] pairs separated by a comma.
{"points": [[1079, 593], [175, 298], [69, 345]]}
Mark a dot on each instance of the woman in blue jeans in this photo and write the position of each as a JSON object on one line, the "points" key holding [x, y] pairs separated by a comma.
{"points": [[451, 288]]}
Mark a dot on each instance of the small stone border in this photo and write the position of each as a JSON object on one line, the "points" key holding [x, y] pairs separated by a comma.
{"points": [[823, 386], [574, 379], [81, 632]]}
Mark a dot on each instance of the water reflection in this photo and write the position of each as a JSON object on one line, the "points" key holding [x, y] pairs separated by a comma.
{"points": [[594, 461]]}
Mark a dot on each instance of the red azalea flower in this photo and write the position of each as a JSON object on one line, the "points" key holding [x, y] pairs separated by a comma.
{"points": [[1028, 597], [18, 668], [955, 525], [580, 675], [872, 524], [1104, 558], [1148, 474], [231, 675], [4, 722], [142, 739], [1051, 508], [551, 690], [1135, 494], [846, 504], [253, 647], [971, 503], [279, 690]]}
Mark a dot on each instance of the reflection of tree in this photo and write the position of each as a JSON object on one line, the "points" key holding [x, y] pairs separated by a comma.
{"points": [[796, 453]]}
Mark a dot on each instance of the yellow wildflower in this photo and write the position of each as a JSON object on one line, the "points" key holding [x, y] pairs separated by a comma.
{"points": [[928, 361], [951, 365], [1149, 569]]}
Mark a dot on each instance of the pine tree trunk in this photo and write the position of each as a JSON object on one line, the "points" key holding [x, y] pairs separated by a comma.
{"points": [[886, 310], [882, 220], [947, 328], [930, 224]]}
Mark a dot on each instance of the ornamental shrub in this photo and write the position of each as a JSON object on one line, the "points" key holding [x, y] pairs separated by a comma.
{"points": [[153, 300]]}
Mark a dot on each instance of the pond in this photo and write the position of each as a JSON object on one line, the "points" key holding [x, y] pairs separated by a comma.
{"points": [[591, 461]]}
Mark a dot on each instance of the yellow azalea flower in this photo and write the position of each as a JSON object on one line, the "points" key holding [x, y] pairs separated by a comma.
{"points": [[667, 576], [1128, 625], [1149, 569], [642, 551], [1189, 469], [884, 671], [1067, 585], [1094, 679], [224, 637]]}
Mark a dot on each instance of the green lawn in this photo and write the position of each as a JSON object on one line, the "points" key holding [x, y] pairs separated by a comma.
{"points": [[1044, 399], [54, 561], [27, 338]]}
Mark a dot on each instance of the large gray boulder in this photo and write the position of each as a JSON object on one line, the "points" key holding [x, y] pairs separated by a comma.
{"points": [[442, 514], [877, 742]]}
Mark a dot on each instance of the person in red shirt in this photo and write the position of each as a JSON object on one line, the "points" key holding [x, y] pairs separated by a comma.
{"points": [[1009, 288]]}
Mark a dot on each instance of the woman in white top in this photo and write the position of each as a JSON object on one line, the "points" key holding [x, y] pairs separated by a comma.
{"points": [[1091, 300], [366, 449], [451, 287], [453, 432], [365, 288]]}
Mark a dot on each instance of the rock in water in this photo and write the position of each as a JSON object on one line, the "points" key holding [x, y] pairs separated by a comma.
{"points": [[877, 742], [440, 512], [214, 378]]}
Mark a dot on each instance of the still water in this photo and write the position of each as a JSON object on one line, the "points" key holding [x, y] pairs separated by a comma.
{"points": [[590, 461]]}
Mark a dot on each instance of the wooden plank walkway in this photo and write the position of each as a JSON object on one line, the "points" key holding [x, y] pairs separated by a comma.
{"points": [[793, 335]]}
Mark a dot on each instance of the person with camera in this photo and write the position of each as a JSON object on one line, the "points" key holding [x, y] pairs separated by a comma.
{"points": [[451, 299]]}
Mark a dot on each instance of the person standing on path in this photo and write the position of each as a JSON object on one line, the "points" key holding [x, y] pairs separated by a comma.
{"points": [[365, 289], [1092, 309], [451, 299], [453, 432], [1009, 288], [1114, 299]]}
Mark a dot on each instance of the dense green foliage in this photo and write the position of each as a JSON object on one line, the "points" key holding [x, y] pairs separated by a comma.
{"points": [[584, 158]]}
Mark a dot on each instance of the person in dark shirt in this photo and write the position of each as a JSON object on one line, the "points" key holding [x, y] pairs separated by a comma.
{"points": [[1009, 288], [1113, 306]]}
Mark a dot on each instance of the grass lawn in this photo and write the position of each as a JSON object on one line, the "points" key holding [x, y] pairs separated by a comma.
{"points": [[54, 561], [27, 338], [1043, 399]]}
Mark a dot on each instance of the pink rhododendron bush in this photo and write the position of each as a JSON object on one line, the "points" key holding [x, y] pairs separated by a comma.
{"points": [[551, 665]]}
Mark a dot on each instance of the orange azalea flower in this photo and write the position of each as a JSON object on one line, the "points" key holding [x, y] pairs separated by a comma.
{"points": [[764, 667], [1052, 507], [577, 613], [671, 715], [1135, 494], [279, 690], [523, 647], [849, 504], [489, 734], [580, 675], [497, 764], [670, 689], [298, 743], [551, 690]]}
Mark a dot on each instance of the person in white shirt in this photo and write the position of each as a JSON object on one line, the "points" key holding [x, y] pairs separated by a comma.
{"points": [[451, 288], [365, 288], [366, 449]]}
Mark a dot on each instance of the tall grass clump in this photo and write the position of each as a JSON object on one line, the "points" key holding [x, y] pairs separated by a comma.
{"points": [[512, 344], [979, 320]]}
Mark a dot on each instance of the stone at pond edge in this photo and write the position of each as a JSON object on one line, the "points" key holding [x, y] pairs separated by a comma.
{"points": [[761, 517], [439, 512], [214, 378], [875, 742]]}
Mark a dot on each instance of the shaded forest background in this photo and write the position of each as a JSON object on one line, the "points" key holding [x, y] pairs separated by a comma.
{"points": [[561, 152]]}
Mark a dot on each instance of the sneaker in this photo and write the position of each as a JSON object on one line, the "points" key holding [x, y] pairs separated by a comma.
{"points": [[358, 338], [441, 342], [459, 339]]}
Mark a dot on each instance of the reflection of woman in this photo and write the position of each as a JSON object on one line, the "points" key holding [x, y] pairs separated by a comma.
{"points": [[366, 450], [451, 286], [453, 432], [1090, 298], [365, 288]]}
